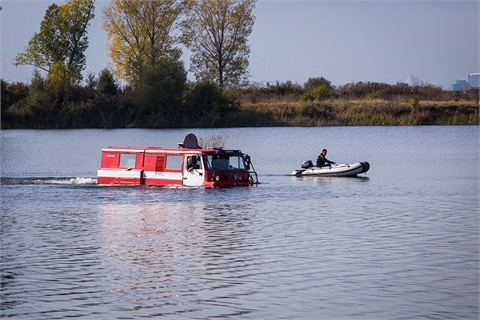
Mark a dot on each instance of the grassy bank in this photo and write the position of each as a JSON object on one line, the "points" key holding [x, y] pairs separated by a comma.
{"points": [[263, 114], [203, 105], [360, 113]]}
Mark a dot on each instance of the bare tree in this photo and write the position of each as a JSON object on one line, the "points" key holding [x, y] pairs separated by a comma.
{"points": [[216, 32]]}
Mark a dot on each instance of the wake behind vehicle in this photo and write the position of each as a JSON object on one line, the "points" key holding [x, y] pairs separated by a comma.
{"points": [[187, 165], [336, 170]]}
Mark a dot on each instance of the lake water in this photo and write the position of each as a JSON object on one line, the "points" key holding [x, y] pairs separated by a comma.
{"points": [[399, 242]]}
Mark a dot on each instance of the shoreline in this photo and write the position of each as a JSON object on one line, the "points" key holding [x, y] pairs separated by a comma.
{"points": [[267, 114]]}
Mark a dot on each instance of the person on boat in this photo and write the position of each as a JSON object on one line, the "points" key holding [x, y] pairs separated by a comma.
{"points": [[322, 161]]}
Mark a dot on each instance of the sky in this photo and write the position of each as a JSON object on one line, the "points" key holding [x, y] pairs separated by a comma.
{"points": [[344, 41]]}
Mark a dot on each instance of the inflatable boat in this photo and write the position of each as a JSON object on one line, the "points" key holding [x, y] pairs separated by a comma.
{"points": [[336, 170]]}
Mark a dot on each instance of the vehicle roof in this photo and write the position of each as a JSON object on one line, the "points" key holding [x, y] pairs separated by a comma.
{"points": [[167, 150]]}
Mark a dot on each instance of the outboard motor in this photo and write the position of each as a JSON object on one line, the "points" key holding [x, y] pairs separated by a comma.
{"points": [[307, 164]]}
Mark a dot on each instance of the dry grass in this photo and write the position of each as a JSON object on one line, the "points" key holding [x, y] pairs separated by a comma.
{"points": [[371, 112]]}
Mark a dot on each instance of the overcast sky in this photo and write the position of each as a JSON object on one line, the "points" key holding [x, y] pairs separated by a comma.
{"points": [[342, 41]]}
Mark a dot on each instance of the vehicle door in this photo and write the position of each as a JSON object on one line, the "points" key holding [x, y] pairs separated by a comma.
{"points": [[193, 173]]}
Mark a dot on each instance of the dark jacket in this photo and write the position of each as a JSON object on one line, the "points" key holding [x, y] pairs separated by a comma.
{"points": [[322, 161]]}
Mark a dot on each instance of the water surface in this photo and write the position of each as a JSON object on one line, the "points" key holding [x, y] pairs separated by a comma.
{"points": [[399, 242]]}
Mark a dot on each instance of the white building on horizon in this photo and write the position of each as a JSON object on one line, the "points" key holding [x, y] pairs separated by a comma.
{"points": [[412, 80]]}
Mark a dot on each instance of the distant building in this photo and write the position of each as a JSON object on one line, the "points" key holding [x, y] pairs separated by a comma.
{"points": [[412, 80], [258, 83], [474, 79], [460, 84]]}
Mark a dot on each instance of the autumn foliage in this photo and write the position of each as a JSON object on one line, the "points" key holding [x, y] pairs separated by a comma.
{"points": [[147, 87]]}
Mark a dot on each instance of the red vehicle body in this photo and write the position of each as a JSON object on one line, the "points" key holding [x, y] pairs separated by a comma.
{"points": [[187, 165]]}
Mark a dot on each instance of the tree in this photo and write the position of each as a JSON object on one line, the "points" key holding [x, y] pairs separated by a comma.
{"points": [[207, 97], [91, 82], [38, 96], [312, 83], [216, 32], [140, 34], [106, 83], [59, 47], [316, 89], [162, 87]]}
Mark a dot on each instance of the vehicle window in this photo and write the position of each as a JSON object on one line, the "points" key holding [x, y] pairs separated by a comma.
{"points": [[224, 162], [174, 162], [127, 160], [236, 162], [208, 162], [216, 162], [219, 163], [198, 165]]}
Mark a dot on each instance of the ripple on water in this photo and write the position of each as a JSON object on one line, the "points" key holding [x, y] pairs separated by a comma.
{"points": [[126, 252]]}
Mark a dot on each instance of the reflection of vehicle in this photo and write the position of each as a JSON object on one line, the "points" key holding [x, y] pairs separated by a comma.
{"points": [[188, 165]]}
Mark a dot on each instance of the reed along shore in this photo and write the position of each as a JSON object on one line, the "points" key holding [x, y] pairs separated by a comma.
{"points": [[207, 106]]}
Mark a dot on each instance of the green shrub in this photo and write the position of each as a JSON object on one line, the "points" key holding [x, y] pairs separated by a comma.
{"points": [[207, 99], [414, 101], [306, 108], [320, 92], [12, 93]]}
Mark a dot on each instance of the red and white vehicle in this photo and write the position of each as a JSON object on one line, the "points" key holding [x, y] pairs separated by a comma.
{"points": [[187, 165]]}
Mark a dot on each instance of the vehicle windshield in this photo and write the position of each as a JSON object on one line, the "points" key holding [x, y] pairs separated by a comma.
{"points": [[224, 162]]}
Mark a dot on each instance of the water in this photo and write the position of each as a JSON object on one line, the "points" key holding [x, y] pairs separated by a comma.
{"points": [[400, 242]]}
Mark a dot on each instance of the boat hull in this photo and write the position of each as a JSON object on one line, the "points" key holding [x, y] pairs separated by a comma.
{"points": [[340, 170]]}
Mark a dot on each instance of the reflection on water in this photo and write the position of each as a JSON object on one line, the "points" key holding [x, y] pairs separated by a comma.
{"points": [[146, 252], [177, 252], [329, 180], [400, 242]]}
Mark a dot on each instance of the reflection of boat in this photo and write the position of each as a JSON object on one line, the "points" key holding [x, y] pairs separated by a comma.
{"points": [[337, 170], [188, 165]]}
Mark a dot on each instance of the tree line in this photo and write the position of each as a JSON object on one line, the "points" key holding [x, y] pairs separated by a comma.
{"points": [[101, 104], [143, 40]]}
